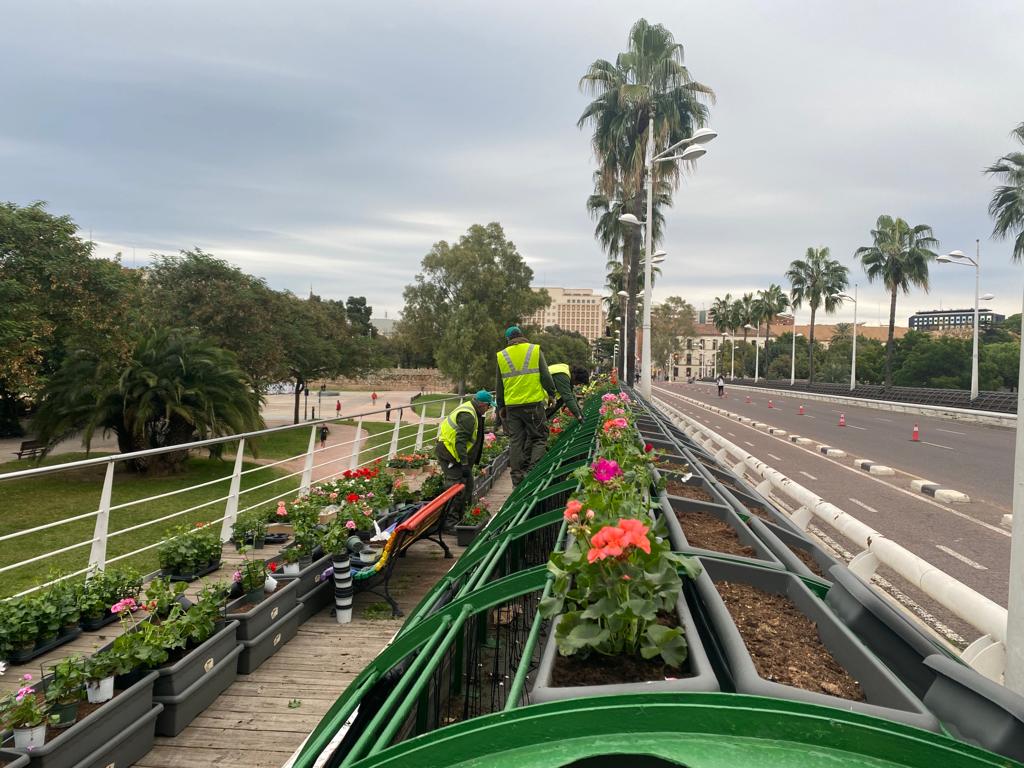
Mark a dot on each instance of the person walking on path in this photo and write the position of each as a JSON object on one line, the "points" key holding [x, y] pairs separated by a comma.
{"points": [[564, 379], [337, 410], [720, 381], [373, 398], [387, 412], [460, 446], [523, 385], [324, 432]]}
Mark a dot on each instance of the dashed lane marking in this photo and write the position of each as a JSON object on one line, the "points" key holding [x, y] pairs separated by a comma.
{"points": [[772, 455], [807, 474], [750, 444], [851, 426], [731, 434], [862, 505], [946, 447], [950, 431], [879, 418], [961, 558]]}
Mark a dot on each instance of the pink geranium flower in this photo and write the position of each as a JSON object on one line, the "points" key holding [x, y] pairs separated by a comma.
{"points": [[606, 470]]}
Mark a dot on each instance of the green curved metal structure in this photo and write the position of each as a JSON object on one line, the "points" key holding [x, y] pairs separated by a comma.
{"points": [[453, 687]]}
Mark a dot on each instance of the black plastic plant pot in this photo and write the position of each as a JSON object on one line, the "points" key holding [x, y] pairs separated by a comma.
{"points": [[975, 708], [885, 695], [13, 759], [701, 677], [93, 624], [267, 612], [791, 549], [181, 709], [99, 730], [197, 574], [197, 663], [464, 534], [127, 747], [21, 657], [268, 642], [309, 576], [882, 628], [671, 506]]}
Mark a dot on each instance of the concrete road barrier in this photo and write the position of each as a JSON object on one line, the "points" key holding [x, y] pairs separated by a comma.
{"points": [[936, 491], [873, 468]]}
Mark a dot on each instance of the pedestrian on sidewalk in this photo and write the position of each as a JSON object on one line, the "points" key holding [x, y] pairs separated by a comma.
{"points": [[337, 410], [324, 432], [373, 398], [387, 412], [720, 381]]}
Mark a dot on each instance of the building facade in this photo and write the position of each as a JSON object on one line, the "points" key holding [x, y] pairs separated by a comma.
{"points": [[572, 309], [700, 355], [942, 320]]}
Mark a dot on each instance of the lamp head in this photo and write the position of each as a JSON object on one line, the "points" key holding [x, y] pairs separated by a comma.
{"points": [[629, 218], [986, 297], [623, 294]]}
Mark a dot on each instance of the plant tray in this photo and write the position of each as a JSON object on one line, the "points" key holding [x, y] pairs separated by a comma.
{"points": [[255, 621], [91, 625], [17, 657], [192, 576], [309, 577], [197, 663], [181, 709], [671, 505], [269, 642], [314, 601]]}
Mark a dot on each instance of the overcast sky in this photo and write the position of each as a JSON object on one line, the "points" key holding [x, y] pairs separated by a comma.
{"points": [[331, 143]]}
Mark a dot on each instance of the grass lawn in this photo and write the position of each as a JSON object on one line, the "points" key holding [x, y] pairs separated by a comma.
{"points": [[430, 405], [378, 440], [283, 445], [32, 502]]}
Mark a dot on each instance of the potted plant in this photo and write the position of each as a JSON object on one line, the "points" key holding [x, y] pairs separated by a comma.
{"points": [[162, 595], [472, 522], [102, 589], [66, 688], [291, 557], [335, 543], [25, 712], [250, 528], [21, 629], [252, 576], [99, 676]]}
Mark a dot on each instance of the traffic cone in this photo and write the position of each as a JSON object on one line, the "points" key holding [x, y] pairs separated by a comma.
{"points": [[801, 411], [748, 398], [842, 419], [916, 436], [771, 404]]}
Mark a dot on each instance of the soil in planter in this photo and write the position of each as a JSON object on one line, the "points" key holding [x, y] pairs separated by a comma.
{"points": [[673, 467], [807, 559], [675, 488], [705, 531], [761, 512], [247, 606], [784, 644], [85, 708]]}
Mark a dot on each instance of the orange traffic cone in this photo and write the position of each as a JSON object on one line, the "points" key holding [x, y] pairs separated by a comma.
{"points": [[916, 436], [801, 411], [748, 398], [771, 404], [842, 419]]}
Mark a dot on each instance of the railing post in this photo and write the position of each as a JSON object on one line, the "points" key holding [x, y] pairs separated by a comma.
{"points": [[357, 446], [394, 436], [419, 433], [444, 404], [307, 471], [231, 507], [98, 553]]}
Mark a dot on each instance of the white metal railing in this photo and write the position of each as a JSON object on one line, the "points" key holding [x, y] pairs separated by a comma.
{"points": [[987, 654], [98, 558]]}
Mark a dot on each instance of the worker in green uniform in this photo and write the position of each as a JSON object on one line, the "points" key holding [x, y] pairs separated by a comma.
{"points": [[565, 378], [459, 447], [523, 386]]}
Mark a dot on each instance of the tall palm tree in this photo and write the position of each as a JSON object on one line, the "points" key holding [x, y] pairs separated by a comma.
{"points": [[721, 312], [898, 257], [773, 302], [745, 312], [817, 280], [1007, 204], [648, 79]]}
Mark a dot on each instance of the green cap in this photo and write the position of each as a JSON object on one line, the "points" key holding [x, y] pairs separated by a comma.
{"points": [[483, 396], [513, 331]]}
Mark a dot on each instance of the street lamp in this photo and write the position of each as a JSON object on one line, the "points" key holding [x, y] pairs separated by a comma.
{"points": [[625, 328], [853, 360], [958, 257], [721, 349], [792, 355], [693, 150], [749, 327]]}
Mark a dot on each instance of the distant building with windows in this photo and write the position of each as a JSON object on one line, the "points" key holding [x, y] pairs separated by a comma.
{"points": [[943, 320], [385, 326], [699, 355], [572, 309]]}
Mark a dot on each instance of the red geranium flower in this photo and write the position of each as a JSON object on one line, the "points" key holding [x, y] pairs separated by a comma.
{"points": [[352, 497], [272, 566]]}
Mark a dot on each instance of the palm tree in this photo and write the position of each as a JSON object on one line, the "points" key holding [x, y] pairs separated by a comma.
{"points": [[745, 312], [721, 312], [773, 302], [816, 280], [898, 257], [1007, 204], [648, 79]]}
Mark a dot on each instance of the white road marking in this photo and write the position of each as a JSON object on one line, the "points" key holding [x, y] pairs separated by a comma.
{"points": [[862, 505], [731, 434], [961, 558], [950, 431], [851, 426], [772, 455], [808, 416], [937, 445], [879, 418], [807, 474], [750, 444]]}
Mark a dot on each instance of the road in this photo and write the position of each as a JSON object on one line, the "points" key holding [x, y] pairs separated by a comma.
{"points": [[965, 540]]}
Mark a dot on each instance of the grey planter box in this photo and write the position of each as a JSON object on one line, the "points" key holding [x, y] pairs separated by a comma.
{"points": [[314, 601], [181, 709], [885, 695], [975, 708], [197, 663], [254, 622], [14, 759], [127, 747], [740, 500], [782, 542], [309, 577], [100, 731], [882, 628], [267, 643], [702, 679], [671, 504]]}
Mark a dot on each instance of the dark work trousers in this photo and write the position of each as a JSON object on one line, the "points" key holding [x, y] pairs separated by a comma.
{"points": [[528, 438], [455, 473]]}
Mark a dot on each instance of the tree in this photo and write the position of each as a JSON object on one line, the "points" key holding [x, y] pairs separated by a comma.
{"points": [[647, 80], [671, 321], [773, 302], [359, 315], [464, 298], [174, 388], [561, 346], [817, 280], [721, 313], [1007, 204], [898, 257]]}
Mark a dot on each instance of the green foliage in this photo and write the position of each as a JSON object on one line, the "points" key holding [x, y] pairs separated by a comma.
{"points": [[561, 346], [192, 548], [68, 682], [251, 524], [162, 595], [105, 588], [818, 281], [671, 321], [1007, 204]]}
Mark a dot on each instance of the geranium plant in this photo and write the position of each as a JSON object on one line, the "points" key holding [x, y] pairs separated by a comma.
{"points": [[252, 574], [22, 708], [476, 514]]}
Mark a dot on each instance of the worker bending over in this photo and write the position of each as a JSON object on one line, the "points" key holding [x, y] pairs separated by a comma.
{"points": [[523, 386], [565, 379], [459, 447]]}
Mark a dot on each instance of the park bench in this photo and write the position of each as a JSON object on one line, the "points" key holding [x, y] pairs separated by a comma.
{"points": [[30, 448], [425, 523]]}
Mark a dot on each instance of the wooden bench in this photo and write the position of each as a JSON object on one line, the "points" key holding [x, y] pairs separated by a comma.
{"points": [[426, 523], [30, 448]]}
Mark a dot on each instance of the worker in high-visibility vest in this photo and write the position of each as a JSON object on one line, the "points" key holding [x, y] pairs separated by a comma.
{"points": [[523, 386], [564, 378], [459, 447]]}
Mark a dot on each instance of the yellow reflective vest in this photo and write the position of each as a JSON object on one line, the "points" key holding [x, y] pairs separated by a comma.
{"points": [[559, 368], [519, 366], [449, 429]]}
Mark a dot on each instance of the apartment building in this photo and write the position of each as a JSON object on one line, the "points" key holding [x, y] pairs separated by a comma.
{"points": [[572, 309]]}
